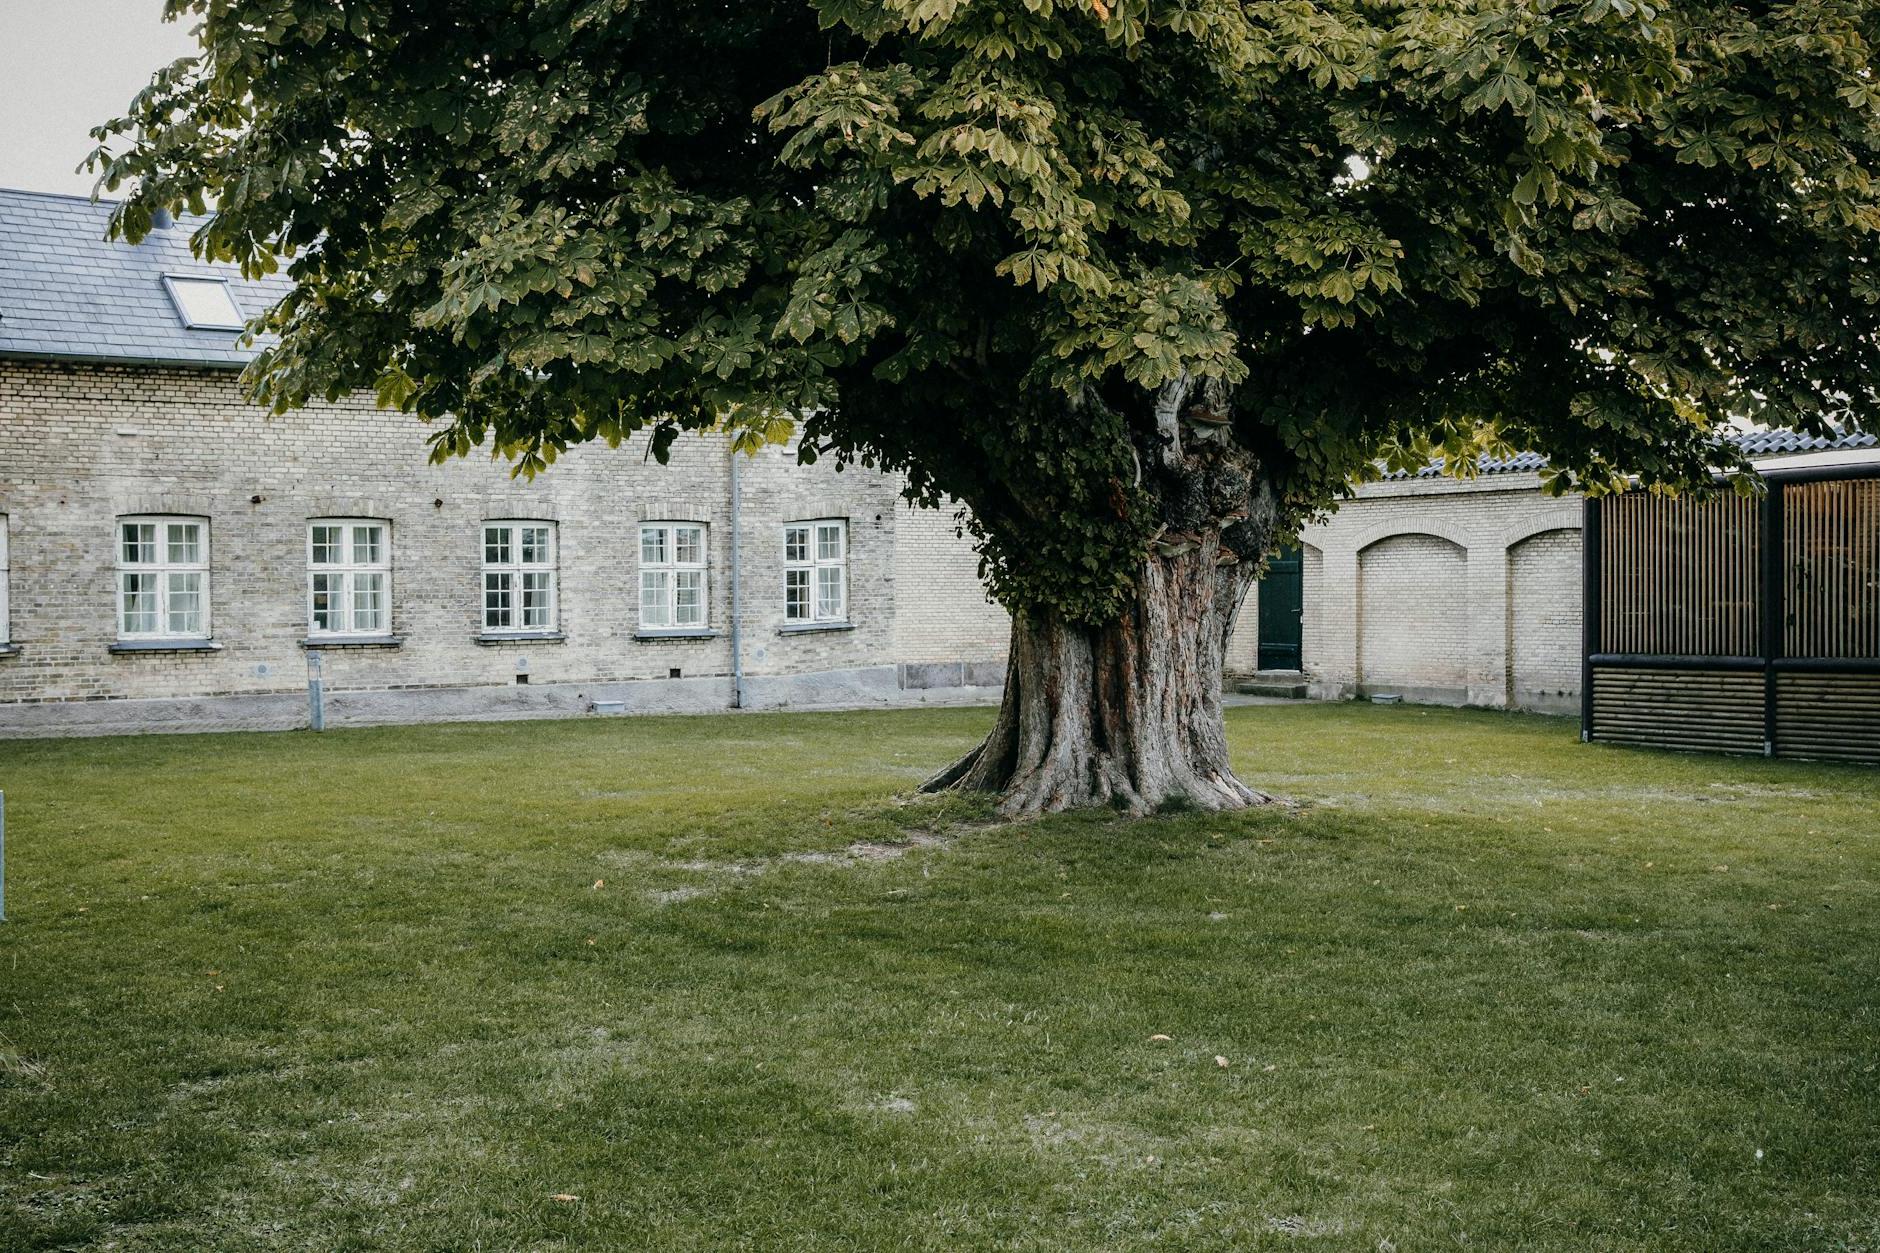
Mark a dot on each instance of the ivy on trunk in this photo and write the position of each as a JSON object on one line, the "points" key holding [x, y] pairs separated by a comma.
{"points": [[1126, 714], [1139, 287], [1126, 711]]}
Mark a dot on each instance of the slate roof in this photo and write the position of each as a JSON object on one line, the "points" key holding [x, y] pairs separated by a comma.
{"points": [[66, 294], [1789, 443], [1753, 443]]}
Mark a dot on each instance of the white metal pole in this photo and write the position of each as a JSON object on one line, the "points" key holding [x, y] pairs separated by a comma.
{"points": [[316, 695], [737, 579]]}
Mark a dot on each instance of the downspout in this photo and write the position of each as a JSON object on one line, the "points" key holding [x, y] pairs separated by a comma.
{"points": [[737, 579]]}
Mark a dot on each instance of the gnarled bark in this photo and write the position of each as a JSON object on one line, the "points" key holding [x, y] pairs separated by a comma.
{"points": [[1127, 714]]}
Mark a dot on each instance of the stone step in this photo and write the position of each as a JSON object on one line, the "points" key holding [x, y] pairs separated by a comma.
{"points": [[1284, 684]]}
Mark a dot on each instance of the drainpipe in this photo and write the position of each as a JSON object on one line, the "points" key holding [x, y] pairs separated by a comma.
{"points": [[737, 579]]}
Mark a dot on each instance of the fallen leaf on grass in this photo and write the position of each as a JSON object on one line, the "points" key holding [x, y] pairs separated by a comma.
{"points": [[1159, 1037], [564, 1196], [598, 884], [1220, 1061]]}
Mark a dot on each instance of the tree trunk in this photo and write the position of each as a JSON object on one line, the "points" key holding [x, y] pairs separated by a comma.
{"points": [[1126, 714]]}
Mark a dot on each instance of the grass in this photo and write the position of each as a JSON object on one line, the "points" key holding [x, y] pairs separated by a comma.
{"points": [[403, 988]]}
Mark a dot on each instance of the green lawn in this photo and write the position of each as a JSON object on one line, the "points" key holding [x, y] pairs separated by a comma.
{"points": [[720, 981]]}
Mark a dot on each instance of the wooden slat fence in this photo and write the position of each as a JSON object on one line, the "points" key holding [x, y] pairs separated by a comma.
{"points": [[1831, 567], [1738, 624], [1680, 575]]}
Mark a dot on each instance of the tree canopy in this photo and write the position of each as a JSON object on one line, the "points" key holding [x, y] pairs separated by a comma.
{"points": [[976, 240]]}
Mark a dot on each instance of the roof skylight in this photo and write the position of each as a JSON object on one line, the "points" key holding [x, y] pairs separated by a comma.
{"points": [[204, 304]]}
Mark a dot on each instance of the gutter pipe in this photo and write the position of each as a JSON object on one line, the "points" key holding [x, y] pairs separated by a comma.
{"points": [[737, 578]]}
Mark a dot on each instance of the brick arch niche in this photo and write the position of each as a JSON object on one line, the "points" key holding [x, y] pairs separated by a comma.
{"points": [[1413, 617], [1544, 621]]}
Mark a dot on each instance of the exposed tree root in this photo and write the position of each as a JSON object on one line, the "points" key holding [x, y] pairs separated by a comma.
{"points": [[1126, 715]]}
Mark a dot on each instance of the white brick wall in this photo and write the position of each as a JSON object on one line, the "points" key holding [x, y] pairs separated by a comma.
{"points": [[81, 445], [1544, 621], [1413, 615], [1463, 592], [945, 614], [1243, 646]]}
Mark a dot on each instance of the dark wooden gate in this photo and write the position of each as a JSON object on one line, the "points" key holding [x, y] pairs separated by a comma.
{"points": [[1738, 624], [1282, 611]]}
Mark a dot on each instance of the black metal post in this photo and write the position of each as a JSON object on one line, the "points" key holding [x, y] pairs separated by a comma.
{"points": [[1772, 607], [1590, 562]]}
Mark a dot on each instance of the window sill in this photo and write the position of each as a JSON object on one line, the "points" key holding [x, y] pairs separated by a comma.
{"points": [[353, 641], [165, 646], [676, 633], [493, 639], [807, 628], [9, 650]]}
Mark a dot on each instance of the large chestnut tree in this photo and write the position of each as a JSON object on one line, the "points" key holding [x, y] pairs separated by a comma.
{"points": [[1143, 283]]}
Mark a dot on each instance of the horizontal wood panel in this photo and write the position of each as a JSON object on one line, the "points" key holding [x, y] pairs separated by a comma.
{"points": [[1716, 711], [1828, 717]]}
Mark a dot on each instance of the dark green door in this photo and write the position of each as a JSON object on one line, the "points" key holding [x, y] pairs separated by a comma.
{"points": [[1282, 607]]}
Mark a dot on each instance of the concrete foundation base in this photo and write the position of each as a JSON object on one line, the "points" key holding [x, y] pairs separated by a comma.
{"points": [[1280, 684], [857, 687], [1416, 694]]}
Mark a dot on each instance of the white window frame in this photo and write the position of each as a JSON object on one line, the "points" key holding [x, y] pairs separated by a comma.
{"points": [[173, 285], [165, 568], [351, 574], [515, 559], [662, 571], [808, 562]]}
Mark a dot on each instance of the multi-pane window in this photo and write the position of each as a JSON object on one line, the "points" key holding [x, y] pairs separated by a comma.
{"points": [[349, 577], [816, 571], [163, 578], [518, 576], [672, 576]]}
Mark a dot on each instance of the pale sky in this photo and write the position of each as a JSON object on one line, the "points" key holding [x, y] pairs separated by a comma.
{"points": [[66, 66]]}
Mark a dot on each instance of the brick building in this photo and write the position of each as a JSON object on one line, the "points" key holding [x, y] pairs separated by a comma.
{"points": [[1438, 590], [172, 558]]}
